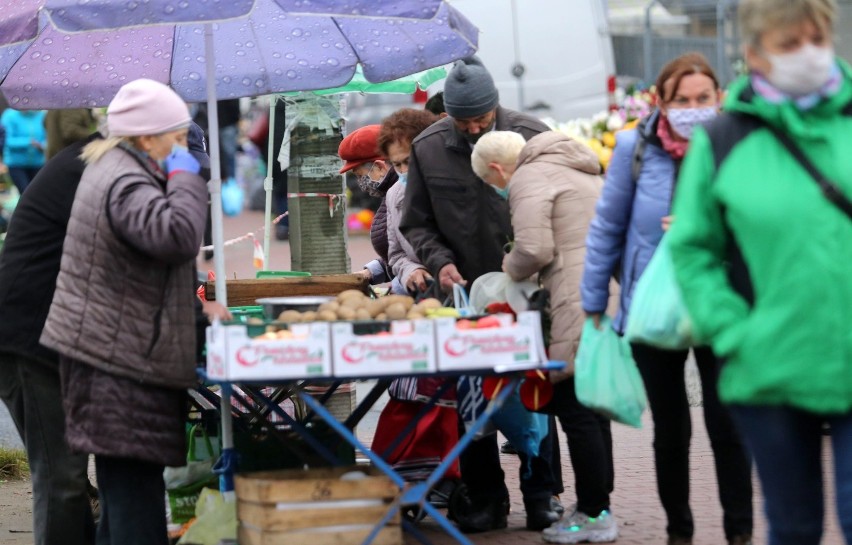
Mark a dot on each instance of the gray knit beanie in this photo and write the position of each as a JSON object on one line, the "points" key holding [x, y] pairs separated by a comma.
{"points": [[469, 90]]}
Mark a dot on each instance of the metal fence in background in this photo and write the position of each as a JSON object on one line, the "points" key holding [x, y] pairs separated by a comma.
{"points": [[709, 28]]}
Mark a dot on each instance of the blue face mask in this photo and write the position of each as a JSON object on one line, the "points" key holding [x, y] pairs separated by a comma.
{"points": [[402, 178], [503, 192]]}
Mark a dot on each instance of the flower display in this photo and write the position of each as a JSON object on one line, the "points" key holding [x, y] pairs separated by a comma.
{"points": [[598, 132]]}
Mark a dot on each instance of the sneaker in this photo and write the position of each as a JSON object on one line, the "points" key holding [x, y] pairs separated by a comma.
{"points": [[581, 528], [507, 448]]}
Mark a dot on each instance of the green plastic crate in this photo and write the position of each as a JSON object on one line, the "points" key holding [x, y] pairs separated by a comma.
{"points": [[281, 274]]}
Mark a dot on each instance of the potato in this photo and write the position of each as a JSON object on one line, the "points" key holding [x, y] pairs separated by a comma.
{"points": [[284, 334], [429, 303], [344, 295], [363, 314], [268, 336], [346, 313], [290, 316], [374, 307], [406, 301], [382, 317], [414, 315], [396, 311], [331, 305], [327, 316], [354, 302], [309, 316]]}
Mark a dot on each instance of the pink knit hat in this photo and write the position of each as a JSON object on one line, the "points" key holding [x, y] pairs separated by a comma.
{"points": [[146, 107]]}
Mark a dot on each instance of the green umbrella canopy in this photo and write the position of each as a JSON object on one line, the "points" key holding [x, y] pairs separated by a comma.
{"points": [[405, 84]]}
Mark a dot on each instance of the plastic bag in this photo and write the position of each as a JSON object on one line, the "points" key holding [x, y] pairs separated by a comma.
{"points": [[185, 484], [658, 315], [488, 288], [523, 428], [606, 378], [216, 520], [232, 198]]}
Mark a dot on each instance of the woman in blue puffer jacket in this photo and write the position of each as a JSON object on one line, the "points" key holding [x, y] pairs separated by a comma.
{"points": [[628, 225]]}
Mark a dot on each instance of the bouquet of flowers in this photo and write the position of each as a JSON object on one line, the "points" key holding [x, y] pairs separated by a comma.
{"points": [[598, 132]]}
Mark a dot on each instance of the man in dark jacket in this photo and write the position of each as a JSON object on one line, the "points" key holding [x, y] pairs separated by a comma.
{"points": [[458, 225], [29, 265], [30, 387]]}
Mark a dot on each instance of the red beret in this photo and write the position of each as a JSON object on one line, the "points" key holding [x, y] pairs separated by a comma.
{"points": [[359, 147]]}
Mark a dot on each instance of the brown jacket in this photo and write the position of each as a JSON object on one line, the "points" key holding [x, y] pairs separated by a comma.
{"points": [[123, 302], [552, 198]]}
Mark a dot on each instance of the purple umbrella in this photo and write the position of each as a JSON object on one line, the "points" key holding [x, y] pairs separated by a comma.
{"points": [[77, 53]]}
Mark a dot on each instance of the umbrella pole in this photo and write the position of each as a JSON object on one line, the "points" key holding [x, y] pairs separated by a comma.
{"points": [[215, 188], [267, 182]]}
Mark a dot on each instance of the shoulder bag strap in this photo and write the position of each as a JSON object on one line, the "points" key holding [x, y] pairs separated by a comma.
{"points": [[829, 189]]}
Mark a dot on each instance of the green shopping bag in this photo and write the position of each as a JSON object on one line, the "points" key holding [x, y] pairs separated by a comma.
{"points": [[185, 484], [606, 378], [658, 315]]}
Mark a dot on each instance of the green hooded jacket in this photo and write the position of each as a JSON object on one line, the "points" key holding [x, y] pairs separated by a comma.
{"points": [[793, 347]]}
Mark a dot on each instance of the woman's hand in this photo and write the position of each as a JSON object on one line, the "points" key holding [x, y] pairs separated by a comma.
{"points": [[214, 310], [418, 281], [667, 222], [596, 318]]}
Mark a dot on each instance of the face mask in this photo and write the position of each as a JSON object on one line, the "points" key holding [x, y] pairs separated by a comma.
{"points": [[801, 72], [368, 185], [474, 138], [403, 178], [684, 120], [502, 191], [178, 148]]}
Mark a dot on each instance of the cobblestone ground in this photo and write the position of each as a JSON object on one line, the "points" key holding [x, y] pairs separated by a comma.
{"points": [[634, 502]]}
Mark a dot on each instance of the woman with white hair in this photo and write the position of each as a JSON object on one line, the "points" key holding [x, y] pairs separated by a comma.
{"points": [[122, 317], [762, 243], [552, 183]]}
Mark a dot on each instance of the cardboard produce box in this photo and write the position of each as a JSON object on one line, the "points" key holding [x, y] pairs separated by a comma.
{"points": [[233, 355], [328, 506], [408, 348], [514, 346]]}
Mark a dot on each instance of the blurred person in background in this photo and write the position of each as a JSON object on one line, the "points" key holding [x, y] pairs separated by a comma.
{"points": [[64, 127], [122, 317], [362, 157], [435, 104], [762, 253], [24, 144], [552, 183], [628, 226]]}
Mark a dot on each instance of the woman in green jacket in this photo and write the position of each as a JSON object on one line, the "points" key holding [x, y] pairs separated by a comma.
{"points": [[763, 258]]}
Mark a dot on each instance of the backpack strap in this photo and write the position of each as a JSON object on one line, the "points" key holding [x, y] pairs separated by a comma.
{"points": [[725, 132], [637, 158]]}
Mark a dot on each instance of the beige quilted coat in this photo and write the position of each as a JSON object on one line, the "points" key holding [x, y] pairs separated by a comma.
{"points": [[552, 197]]}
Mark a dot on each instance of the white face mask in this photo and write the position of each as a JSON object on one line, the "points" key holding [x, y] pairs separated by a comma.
{"points": [[684, 120], [801, 72]]}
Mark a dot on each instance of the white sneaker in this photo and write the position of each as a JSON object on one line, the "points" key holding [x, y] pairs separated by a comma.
{"points": [[581, 528]]}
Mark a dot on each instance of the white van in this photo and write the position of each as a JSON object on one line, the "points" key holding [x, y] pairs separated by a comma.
{"points": [[564, 47]]}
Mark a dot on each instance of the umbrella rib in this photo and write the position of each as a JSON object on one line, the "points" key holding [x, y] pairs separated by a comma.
{"points": [[345, 37]]}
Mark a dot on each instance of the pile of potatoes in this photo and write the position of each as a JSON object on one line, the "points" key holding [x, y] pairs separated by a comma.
{"points": [[354, 305]]}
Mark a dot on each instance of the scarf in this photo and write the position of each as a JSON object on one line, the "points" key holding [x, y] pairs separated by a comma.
{"points": [[675, 148]]}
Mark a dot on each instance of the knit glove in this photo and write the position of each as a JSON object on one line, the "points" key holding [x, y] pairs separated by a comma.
{"points": [[180, 160]]}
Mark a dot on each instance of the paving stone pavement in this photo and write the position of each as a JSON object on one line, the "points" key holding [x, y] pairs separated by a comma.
{"points": [[635, 502]]}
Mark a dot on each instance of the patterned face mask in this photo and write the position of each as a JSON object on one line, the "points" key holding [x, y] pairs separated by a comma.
{"points": [[368, 185], [684, 120]]}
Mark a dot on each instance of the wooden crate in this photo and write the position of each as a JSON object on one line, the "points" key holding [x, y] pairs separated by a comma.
{"points": [[315, 507], [247, 292]]}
